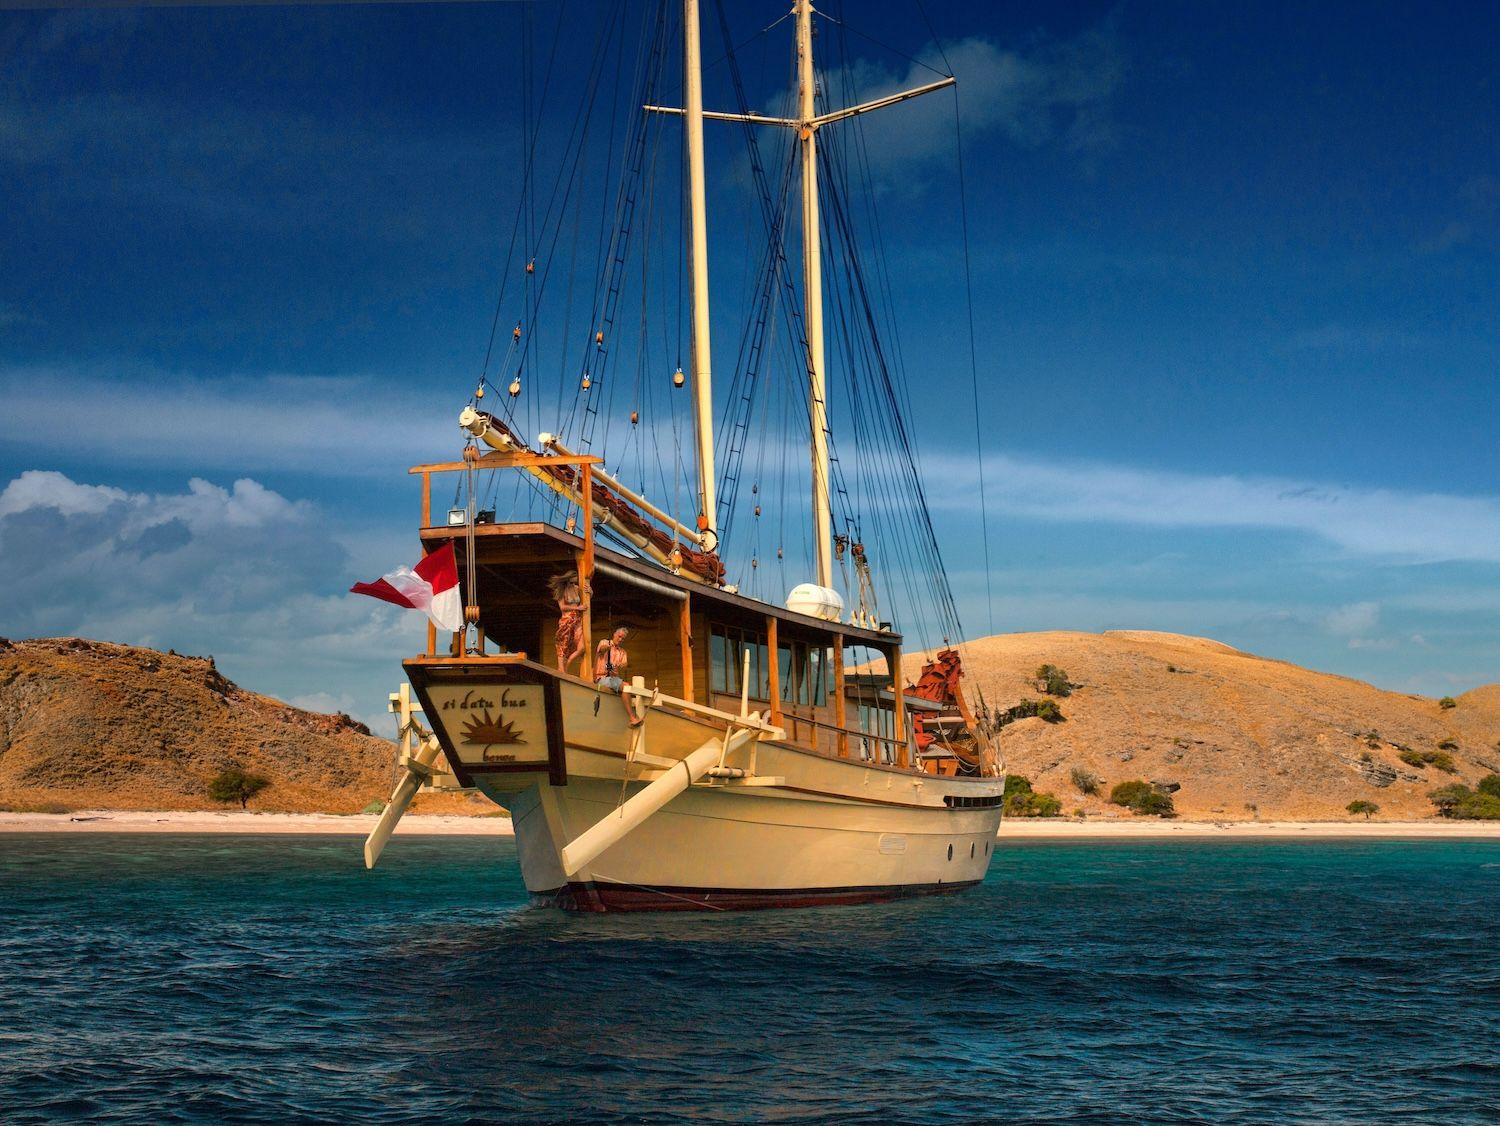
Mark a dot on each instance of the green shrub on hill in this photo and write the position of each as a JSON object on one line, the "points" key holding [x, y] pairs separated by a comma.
{"points": [[1365, 807], [1440, 759], [1156, 804], [1143, 798], [1463, 804], [1022, 801], [1044, 710], [1447, 702], [1129, 793], [1086, 780]]}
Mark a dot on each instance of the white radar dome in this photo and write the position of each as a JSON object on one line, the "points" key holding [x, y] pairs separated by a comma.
{"points": [[816, 601]]}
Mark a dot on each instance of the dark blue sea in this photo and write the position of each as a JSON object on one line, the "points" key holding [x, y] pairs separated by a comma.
{"points": [[193, 978]]}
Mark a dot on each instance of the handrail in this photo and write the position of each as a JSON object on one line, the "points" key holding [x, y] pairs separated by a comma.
{"points": [[657, 698]]}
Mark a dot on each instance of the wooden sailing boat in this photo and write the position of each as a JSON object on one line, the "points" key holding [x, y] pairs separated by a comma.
{"points": [[742, 763]]}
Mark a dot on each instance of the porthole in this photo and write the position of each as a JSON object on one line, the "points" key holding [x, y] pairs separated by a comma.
{"points": [[950, 850]]}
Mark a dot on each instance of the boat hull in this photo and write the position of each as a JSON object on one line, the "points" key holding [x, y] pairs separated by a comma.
{"points": [[800, 829]]}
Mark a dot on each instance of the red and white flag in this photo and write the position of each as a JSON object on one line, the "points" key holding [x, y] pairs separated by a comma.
{"points": [[430, 586]]}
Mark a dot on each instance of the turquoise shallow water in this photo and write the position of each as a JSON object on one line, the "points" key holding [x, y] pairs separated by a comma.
{"points": [[147, 978]]}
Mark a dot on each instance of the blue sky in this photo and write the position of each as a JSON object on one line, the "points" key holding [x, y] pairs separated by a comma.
{"points": [[1236, 275]]}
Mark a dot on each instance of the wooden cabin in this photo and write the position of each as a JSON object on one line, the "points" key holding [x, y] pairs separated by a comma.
{"points": [[691, 640]]}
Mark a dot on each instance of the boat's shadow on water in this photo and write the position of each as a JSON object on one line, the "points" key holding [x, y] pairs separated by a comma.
{"points": [[633, 1010]]}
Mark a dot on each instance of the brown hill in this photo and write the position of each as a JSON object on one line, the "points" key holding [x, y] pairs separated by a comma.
{"points": [[1243, 736], [88, 724], [93, 724]]}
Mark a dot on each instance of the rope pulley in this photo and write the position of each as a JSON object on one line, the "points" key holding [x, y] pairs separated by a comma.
{"points": [[635, 417], [586, 382], [515, 333], [531, 266], [599, 338], [677, 378], [515, 387], [479, 391]]}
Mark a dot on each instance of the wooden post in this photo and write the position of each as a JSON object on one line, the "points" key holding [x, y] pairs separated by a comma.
{"points": [[685, 640], [893, 659], [839, 718], [774, 681], [587, 593], [427, 500], [586, 474]]}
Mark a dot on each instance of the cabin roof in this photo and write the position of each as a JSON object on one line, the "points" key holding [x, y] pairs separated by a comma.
{"points": [[699, 591]]}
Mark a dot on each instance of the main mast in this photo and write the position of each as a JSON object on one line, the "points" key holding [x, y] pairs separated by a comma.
{"points": [[806, 123], [703, 397], [812, 293]]}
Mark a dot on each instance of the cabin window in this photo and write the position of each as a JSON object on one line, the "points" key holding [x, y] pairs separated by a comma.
{"points": [[727, 649], [804, 673]]}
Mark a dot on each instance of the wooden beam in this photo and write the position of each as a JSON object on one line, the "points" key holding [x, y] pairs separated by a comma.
{"points": [[685, 640], [427, 500], [507, 461], [898, 689], [839, 719], [774, 681], [588, 521]]}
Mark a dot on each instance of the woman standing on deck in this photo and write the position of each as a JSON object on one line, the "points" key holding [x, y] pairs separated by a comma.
{"points": [[569, 596]]}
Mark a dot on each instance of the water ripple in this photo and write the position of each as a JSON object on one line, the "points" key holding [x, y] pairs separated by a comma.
{"points": [[191, 979]]}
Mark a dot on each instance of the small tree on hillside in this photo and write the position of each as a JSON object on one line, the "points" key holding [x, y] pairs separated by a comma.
{"points": [[1447, 702], [236, 785], [1449, 798], [1053, 681], [1489, 784], [1365, 807]]}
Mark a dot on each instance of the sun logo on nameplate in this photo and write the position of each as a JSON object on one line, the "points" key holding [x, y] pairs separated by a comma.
{"points": [[485, 730]]}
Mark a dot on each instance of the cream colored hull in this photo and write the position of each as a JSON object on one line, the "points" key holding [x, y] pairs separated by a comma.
{"points": [[802, 828]]}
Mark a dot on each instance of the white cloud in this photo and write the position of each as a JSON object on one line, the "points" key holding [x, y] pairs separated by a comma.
{"points": [[44, 489], [241, 572], [1048, 92], [1409, 526], [1352, 620], [337, 426]]}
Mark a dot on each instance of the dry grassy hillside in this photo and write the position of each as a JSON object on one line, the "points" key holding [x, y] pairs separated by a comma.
{"points": [[89, 724], [1245, 737]]}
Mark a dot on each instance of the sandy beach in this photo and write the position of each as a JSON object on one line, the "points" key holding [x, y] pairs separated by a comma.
{"points": [[223, 821]]}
